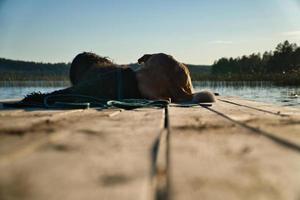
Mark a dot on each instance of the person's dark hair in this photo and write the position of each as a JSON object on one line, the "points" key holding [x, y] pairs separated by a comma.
{"points": [[83, 62]]}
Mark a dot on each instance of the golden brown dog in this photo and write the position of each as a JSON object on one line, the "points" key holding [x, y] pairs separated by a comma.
{"points": [[162, 77]]}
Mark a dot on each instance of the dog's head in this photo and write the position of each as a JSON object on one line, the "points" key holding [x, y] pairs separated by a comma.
{"points": [[144, 58], [162, 77]]}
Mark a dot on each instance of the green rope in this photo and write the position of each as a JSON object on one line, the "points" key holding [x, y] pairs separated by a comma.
{"points": [[71, 101], [85, 102], [129, 104]]}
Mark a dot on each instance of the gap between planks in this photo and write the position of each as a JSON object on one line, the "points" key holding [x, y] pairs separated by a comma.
{"points": [[161, 162]]}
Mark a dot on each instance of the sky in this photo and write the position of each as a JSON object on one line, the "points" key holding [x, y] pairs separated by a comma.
{"points": [[193, 31]]}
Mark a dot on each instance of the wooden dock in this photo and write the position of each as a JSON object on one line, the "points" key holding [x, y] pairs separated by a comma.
{"points": [[236, 149]]}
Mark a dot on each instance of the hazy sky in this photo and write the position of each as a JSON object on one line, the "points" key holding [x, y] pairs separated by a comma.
{"points": [[193, 31]]}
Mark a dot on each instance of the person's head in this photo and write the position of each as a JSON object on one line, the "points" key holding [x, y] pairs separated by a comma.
{"points": [[83, 62]]}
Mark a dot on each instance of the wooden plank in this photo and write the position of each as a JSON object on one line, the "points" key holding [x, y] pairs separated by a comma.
{"points": [[286, 126], [87, 155], [278, 109], [213, 158], [24, 130]]}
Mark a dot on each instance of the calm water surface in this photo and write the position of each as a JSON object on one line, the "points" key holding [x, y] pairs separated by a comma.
{"points": [[259, 91], [21, 91]]}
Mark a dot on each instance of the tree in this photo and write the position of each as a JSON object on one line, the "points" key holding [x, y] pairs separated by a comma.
{"points": [[296, 59], [282, 60], [285, 58]]}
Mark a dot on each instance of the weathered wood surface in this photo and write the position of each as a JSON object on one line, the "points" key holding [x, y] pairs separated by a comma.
{"points": [[215, 158], [236, 149], [81, 154]]}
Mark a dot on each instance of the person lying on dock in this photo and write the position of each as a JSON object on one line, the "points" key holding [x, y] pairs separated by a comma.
{"points": [[160, 77]]}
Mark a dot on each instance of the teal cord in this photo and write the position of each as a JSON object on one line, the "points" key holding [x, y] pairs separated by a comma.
{"points": [[89, 101], [129, 104], [59, 101]]}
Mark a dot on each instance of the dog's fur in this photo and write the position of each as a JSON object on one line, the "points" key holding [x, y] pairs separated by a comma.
{"points": [[162, 77], [144, 58]]}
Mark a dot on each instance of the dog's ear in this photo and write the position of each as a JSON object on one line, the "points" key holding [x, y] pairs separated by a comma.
{"points": [[144, 58]]}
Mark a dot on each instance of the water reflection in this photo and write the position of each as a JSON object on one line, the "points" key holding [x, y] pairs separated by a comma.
{"points": [[18, 89], [259, 91], [20, 92]]}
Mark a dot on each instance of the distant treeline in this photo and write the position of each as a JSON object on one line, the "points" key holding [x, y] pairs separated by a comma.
{"points": [[14, 70], [281, 66]]}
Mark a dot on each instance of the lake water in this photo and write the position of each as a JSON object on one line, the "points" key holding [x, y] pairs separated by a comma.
{"points": [[259, 91]]}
